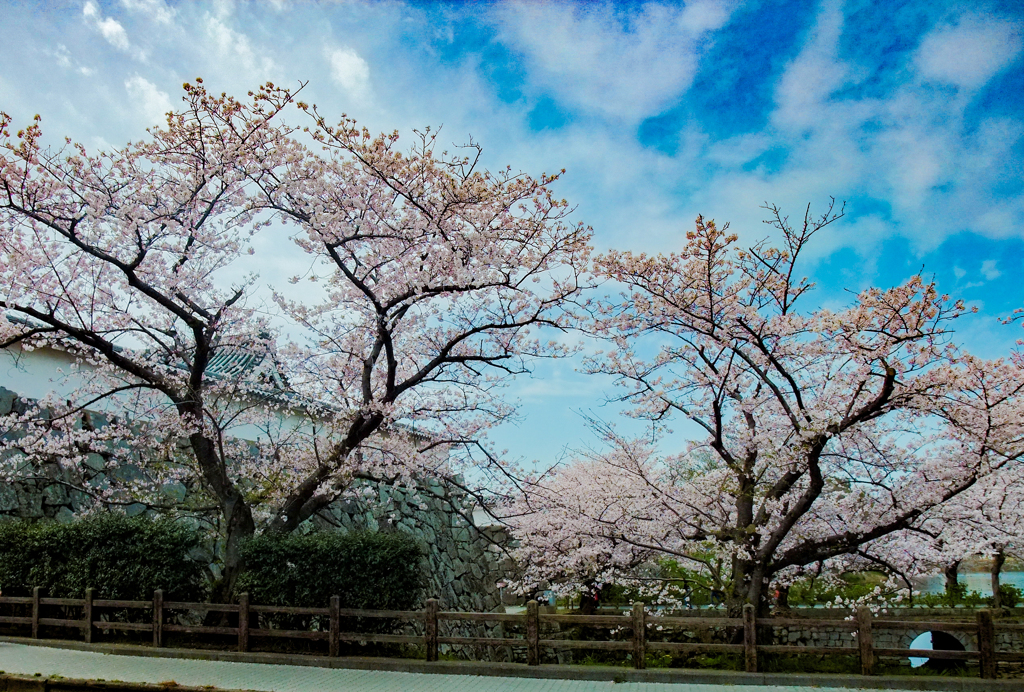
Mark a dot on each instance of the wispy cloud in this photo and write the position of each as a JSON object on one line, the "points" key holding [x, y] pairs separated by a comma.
{"points": [[933, 160], [814, 75], [968, 52], [912, 111], [109, 28], [349, 71], [598, 58], [64, 58], [156, 10], [234, 48], [989, 270], [147, 99]]}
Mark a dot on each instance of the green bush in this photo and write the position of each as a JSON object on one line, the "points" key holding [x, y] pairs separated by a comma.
{"points": [[119, 557], [365, 569], [1010, 596]]}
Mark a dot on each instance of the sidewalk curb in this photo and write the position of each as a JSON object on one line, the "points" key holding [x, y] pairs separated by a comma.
{"points": [[519, 670], [21, 683]]}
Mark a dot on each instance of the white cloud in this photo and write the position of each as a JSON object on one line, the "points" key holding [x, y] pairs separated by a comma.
{"points": [[109, 28], [63, 57], [157, 10], [814, 74], [704, 15], [968, 53], [989, 270], [738, 150], [150, 101], [114, 33], [584, 54], [349, 71], [236, 47], [909, 146]]}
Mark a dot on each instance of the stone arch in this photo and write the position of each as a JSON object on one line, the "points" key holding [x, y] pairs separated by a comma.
{"points": [[965, 638], [942, 640]]}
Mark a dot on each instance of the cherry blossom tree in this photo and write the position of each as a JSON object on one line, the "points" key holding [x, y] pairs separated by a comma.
{"points": [[987, 520], [822, 434], [117, 258], [127, 261], [438, 277]]}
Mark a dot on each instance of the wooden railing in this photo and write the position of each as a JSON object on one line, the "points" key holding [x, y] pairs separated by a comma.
{"points": [[637, 622]]}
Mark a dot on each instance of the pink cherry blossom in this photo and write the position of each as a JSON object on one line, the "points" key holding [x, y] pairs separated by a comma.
{"points": [[437, 273], [840, 437]]}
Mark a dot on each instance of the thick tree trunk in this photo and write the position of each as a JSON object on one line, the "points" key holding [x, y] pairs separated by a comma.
{"points": [[953, 593], [749, 585], [238, 527], [997, 566], [952, 582], [236, 515]]}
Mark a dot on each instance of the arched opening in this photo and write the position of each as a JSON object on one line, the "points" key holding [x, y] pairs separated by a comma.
{"points": [[936, 640]]}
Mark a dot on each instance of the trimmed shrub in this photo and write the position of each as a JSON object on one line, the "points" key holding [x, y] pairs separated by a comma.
{"points": [[125, 558], [366, 569]]}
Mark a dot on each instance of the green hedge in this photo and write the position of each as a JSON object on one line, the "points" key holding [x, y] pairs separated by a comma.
{"points": [[119, 557], [129, 557], [366, 569]]}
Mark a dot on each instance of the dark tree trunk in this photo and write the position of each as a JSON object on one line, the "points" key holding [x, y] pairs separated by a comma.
{"points": [[236, 515], [238, 527], [997, 566], [952, 583], [749, 585]]}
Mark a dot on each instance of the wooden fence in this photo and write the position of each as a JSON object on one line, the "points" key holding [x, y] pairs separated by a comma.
{"points": [[637, 622]]}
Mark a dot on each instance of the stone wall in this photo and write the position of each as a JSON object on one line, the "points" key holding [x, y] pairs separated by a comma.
{"points": [[463, 563], [898, 638], [39, 494], [462, 566], [884, 638]]}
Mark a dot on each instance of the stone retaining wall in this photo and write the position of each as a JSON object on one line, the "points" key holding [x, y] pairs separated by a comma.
{"points": [[463, 563], [462, 566], [795, 635]]}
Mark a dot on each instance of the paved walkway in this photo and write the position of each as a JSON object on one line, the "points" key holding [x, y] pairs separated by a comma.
{"points": [[29, 660]]}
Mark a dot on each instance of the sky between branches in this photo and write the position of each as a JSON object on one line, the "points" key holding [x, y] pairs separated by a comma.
{"points": [[911, 112]]}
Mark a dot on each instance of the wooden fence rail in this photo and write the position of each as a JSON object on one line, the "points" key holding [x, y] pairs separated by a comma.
{"points": [[637, 622]]}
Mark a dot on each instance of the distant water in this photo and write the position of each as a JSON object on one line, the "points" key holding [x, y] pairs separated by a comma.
{"points": [[975, 581]]}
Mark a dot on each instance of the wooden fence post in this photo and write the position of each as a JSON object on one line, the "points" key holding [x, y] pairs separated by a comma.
{"points": [[87, 625], [749, 638], [865, 641], [532, 633], [35, 612], [158, 618], [335, 641], [639, 637], [243, 622], [987, 644], [430, 628]]}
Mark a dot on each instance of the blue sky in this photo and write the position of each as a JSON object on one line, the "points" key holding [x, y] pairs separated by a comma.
{"points": [[912, 112]]}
